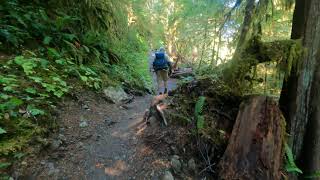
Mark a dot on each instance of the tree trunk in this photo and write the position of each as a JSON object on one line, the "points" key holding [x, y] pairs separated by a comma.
{"points": [[255, 146], [213, 62], [289, 87], [204, 42], [218, 47], [311, 151], [247, 21], [302, 98], [308, 98]]}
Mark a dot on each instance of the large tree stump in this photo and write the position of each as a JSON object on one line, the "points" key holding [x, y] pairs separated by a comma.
{"points": [[255, 146]]}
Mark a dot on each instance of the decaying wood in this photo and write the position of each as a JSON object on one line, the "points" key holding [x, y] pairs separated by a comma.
{"points": [[156, 109], [255, 146], [185, 72]]}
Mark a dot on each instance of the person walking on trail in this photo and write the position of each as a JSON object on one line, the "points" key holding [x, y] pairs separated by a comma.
{"points": [[162, 67]]}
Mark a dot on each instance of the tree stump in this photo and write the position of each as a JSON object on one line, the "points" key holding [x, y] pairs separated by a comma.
{"points": [[156, 109], [255, 146]]}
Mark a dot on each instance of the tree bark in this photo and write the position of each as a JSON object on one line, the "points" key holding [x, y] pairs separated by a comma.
{"points": [[299, 98], [308, 98], [218, 46], [255, 146], [204, 43], [311, 151], [247, 21], [289, 87], [213, 62]]}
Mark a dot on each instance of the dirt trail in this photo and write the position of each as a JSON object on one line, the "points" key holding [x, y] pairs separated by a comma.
{"points": [[97, 140]]}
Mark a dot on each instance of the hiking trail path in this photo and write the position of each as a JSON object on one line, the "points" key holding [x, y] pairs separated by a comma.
{"points": [[99, 141]]}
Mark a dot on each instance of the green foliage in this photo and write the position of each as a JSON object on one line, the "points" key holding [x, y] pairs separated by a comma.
{"points": [[34, 111], [27, 64], [199, 105], [200, 122], [290, 166], [4, 165], [313, 175], [59, 47], [198, 112], [2, 131]]}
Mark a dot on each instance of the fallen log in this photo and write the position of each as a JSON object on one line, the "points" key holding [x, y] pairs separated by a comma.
{"points": [[255, 146], [183, 72]]}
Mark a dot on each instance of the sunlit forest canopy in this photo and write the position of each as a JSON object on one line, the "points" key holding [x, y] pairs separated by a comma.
{"points": [[207, 31]]}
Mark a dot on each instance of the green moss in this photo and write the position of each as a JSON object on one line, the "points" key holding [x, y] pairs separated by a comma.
{"points": [[286, 53], [20, 132]]}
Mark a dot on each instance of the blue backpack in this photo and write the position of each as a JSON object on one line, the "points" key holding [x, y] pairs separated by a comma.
{"points": [[160, 62]]}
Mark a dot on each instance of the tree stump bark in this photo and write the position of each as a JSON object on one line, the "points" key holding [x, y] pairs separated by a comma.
{"points": [[255, 146]]}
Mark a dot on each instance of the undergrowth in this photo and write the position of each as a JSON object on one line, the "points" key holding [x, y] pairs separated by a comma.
{"points": [[51, 48]]}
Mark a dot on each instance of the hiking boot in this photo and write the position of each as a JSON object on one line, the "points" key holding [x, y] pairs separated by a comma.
{"points": [[165, 90]]}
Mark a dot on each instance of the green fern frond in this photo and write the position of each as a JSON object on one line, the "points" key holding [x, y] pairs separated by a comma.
{"points": [[291, 166], [198, 111], [200, 122], [199, 105]]}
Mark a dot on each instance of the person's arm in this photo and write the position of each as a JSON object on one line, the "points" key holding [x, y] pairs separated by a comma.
{"points": [[169, 63], [151, 61], [152, 69]]}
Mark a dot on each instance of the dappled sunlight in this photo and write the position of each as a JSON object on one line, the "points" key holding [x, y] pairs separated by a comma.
{"points": [[162, 106], [141, 129], [145, 150], [116, 169], [120, 134], [136, 121], [161, 163]]}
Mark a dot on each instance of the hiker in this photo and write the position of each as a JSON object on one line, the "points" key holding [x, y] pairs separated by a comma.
{"points": [[162, 67]]}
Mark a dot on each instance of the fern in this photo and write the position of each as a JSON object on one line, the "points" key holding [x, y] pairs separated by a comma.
{"points": [[199, 105], [291, 166], [198, 111], [200, 122]]}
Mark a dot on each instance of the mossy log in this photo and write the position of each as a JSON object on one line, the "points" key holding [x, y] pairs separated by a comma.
{"points": [[286, 53], [255, 146], [185, 72]]}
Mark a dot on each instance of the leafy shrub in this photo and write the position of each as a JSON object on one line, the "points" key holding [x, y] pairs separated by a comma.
{"points": [[54, 44]]}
